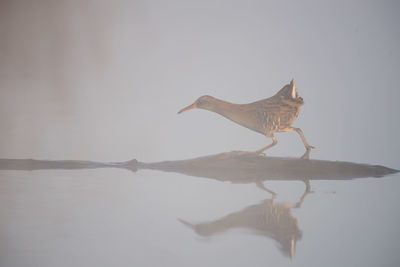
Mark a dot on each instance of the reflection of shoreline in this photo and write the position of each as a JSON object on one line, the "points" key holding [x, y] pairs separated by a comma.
{"points": [[238, 168], [267, 219], [233, 167]]}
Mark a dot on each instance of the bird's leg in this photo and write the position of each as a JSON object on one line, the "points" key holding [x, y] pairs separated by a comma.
{"points": [[306, 192], [274, 142], [260, 185], [300, 132]]}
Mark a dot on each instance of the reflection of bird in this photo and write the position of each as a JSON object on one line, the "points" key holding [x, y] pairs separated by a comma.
{"points": [[265, 219], [267, 116]]}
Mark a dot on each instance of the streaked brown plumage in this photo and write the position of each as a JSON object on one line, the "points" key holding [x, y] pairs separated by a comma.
{"points": [[267, 116]]}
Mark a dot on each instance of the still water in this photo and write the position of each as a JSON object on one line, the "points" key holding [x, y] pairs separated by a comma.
{"points": [[129, 213], [86, 88]]}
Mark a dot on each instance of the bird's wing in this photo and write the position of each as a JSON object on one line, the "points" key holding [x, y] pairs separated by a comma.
{"points": [[265, 116]]}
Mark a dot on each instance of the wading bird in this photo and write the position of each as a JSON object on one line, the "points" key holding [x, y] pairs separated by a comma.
{"points": [[267, 116]]}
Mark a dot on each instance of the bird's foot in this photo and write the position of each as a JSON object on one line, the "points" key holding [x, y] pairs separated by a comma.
{"points": [[306, 155], [310, 147]]}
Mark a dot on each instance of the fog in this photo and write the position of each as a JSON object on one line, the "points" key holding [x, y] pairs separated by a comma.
{"points": [[104, 80]]}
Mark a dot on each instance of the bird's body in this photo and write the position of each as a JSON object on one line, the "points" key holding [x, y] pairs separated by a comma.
{"points": [[267, 116]]}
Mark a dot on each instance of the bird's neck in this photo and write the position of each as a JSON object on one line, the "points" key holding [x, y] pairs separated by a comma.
{"points": [[226, 109]]}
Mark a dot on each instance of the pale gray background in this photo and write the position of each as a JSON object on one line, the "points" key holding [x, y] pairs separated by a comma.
{"points": [[103, 80]]}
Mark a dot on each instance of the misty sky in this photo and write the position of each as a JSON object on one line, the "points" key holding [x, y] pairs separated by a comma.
{"points": [[109, 77]]}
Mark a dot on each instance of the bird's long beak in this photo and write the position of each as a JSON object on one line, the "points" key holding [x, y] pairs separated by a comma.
{"points": [[188, 224], [192, 106]]}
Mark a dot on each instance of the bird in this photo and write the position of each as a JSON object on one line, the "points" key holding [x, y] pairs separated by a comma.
{"points": [[267, 116]]}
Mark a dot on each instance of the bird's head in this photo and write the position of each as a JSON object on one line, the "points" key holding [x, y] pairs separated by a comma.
{"points": [[289, 92], [203, 102]]}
